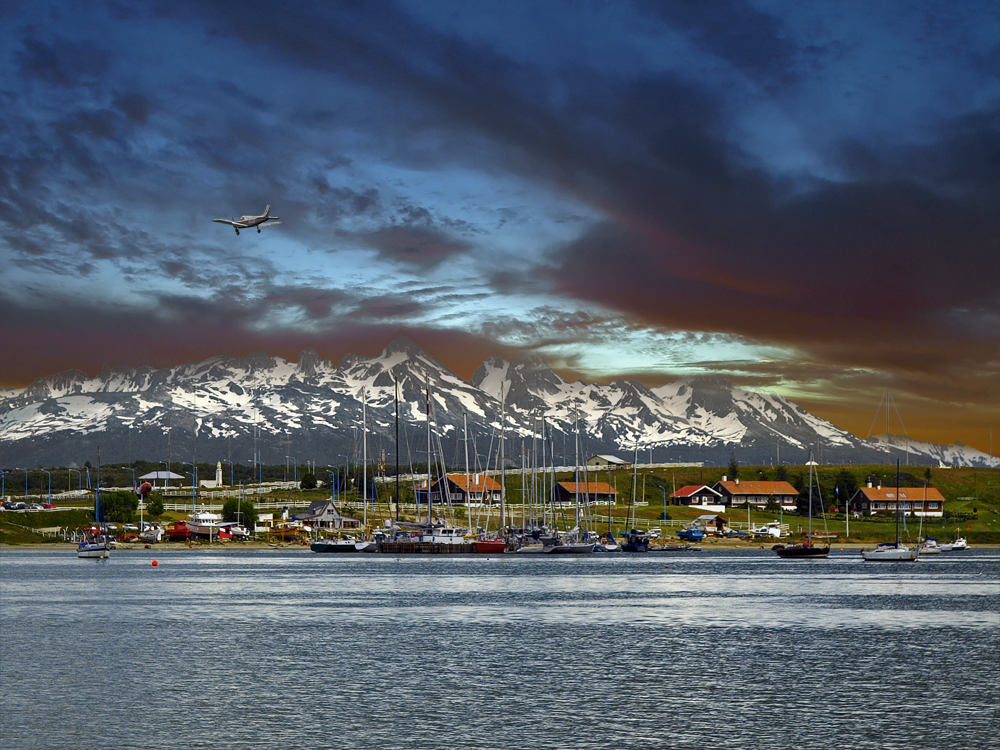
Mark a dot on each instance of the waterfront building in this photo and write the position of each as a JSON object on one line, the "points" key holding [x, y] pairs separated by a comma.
{"points": [[758, 494]]}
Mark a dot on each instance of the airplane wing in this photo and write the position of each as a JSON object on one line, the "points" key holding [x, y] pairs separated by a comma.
{"points": [[230, 223], [269, 223]]}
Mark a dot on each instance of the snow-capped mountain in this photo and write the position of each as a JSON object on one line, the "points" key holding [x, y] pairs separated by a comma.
{"points": [[311, 410]]}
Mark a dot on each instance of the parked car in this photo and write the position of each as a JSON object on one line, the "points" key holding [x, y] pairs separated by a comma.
{"points": [[48, 506]]}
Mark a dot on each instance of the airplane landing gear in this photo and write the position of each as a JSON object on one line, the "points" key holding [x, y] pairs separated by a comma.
{"points": [[237, 230], [258, 230]]}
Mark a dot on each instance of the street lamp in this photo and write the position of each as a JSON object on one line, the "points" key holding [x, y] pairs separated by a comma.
{"points": [[129, 468], [194, 482], [335, 480], [232, 482], [166, 476], [253, 465], [50, 484], [295, 467], [69, 479], [3, 484]]}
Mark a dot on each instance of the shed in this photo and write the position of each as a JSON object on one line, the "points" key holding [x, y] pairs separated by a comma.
{"points": [[607, 462]]}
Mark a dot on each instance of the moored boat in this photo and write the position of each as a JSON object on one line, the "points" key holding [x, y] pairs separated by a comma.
{"points": [[490, 546], [95, 548], [635, 541], [807, 549], [895, 551]]}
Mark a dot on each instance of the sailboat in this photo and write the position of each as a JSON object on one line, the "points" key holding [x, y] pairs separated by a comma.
{"points": [[96, 546], [892, 551], [807, 550]]}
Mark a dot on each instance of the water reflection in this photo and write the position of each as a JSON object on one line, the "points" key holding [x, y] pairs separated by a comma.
{"points": [[288, 649]]}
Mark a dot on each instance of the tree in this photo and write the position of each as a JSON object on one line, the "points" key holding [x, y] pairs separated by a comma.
{"points": [[734, 468], [846, 485], [154, 505], [308, 481], [241, 507], [781, 474], [119, 506]]}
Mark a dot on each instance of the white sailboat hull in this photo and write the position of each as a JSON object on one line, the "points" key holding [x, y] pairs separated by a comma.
{"points": [[891, 554], [93, 551]]}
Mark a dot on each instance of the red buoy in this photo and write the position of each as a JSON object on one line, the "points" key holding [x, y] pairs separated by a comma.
{"points": [[155, 563]]}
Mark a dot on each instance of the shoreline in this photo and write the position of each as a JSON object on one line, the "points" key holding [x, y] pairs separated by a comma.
{"points": [[717, 544]]}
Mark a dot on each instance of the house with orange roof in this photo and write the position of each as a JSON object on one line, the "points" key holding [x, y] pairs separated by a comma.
{"points": [[757, 493], [920, 501], [461, 490]]}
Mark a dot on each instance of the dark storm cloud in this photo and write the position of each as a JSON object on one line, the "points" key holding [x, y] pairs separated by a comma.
{"points": [[416, 246], [754, 42], [870, 254], [62, 62]]}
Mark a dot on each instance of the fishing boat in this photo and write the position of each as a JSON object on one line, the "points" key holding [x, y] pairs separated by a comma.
{"points": [[178, 531], [807, 549], [958, 545], [895, 551], [204, 524]]}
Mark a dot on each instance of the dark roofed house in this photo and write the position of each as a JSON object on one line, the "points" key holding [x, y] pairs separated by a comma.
{"points": [[324, 514], [758, 494], [916, 500], [593, 492]]}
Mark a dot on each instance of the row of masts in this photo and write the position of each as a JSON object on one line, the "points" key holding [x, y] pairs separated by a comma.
{"points": [[535, 512]]}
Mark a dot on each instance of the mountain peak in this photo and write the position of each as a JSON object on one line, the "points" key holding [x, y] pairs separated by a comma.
{"points": [[403, 345]]}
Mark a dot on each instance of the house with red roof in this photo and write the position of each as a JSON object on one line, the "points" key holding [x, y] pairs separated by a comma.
{"points": [[698, 495]]}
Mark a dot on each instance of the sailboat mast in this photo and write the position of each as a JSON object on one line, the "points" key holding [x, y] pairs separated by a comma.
{"points": [[468, 487], [576, 469], [396, 383], [810, 495], [897, 503], [427, 384], [503, 461], [364, 451]]}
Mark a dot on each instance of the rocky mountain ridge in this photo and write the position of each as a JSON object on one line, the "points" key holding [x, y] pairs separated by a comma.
{"points": [[266, 407]]}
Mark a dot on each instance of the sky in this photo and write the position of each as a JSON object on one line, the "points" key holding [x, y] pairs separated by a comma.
{"points": [[801, 197]]}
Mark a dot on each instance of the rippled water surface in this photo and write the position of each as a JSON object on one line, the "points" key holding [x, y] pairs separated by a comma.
{"points": [[288, 649]]}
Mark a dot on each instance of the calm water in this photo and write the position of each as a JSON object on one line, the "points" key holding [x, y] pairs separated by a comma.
{"points": [[282, 649]]}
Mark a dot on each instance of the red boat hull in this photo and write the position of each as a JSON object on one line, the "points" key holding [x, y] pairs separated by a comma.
{"points": [[494, 546]]}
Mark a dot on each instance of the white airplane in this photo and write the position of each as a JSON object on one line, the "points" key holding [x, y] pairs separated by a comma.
{"points": [[246, 222]]}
